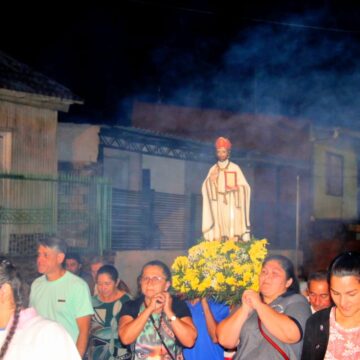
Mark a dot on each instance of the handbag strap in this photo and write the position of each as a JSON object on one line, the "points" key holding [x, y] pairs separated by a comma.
{"points": [[161, 338], [272, 342]]}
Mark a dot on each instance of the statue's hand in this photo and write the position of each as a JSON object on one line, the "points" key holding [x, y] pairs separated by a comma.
{"points": [[214, 175], [246, 237]]}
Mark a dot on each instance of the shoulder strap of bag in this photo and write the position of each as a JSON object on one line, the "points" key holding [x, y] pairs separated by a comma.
{"points": [[271, 342], [161, 338]]}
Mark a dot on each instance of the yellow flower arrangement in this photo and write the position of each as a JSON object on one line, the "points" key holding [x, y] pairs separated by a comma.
{"points": [[221, 270]]}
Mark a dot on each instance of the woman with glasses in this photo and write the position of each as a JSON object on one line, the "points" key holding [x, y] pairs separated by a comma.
{"points": [[156, 325], [24, 335]]}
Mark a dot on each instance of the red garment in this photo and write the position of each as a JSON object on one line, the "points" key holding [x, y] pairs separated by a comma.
{"points": [[222, 142]]}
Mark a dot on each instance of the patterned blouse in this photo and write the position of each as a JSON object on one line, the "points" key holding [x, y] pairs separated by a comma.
{"points": [[157, 341], [104, 342], [156, 333], [344, 344]]}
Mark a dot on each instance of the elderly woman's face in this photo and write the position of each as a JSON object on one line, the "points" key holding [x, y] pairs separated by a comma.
{"points": [[273, 281], [153, 281]]}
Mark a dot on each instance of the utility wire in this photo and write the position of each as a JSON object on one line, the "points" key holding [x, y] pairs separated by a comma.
{"points": [[302, 26], [265, 21]]}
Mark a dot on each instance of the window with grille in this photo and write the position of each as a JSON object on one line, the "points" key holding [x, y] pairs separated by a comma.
{"points": [[334, 174]]}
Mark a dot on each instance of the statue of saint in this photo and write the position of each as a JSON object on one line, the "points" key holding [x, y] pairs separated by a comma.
{"points": [[226, 199]]}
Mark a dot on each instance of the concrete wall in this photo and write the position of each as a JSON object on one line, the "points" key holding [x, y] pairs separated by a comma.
{"points": [[129, 263], [123, 168], [33, 138], [195, 174], [78, 142], [28, 146], [335, 207], [167, 175]]}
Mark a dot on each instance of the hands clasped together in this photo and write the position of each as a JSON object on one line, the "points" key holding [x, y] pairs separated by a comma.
{"points": [[251, 300], [159, 302]]}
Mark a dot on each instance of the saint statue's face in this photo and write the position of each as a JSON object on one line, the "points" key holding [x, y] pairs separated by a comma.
{"points": [[222, 154]]}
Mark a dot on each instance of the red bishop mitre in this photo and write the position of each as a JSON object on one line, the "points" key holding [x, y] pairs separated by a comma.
{"points": [[222, 142]]}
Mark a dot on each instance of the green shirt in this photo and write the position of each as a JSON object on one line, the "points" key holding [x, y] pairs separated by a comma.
{"points": [[62, 300]]}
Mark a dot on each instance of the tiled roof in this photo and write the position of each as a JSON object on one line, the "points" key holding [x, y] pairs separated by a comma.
{"points": [[17, 76]]}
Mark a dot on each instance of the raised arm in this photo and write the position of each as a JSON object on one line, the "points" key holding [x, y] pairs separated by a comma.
{"points": [[211, 323], [228, 331], [130, 328], [279, 325], [183, 328]]}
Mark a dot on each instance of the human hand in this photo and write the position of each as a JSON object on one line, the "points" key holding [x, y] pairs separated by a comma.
{"points": [[251, 298], [157, 302], [204, 302], [246, 237], [246, 304]]}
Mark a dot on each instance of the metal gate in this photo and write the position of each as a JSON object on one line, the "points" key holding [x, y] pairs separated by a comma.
{"points": [[75, 208], [154, 220]]}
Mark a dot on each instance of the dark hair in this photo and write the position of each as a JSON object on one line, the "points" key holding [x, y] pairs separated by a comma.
{"points": [[161, 265], [345, 264], [9, 275], [317, 276], [289, 269], [109, 270], [114, 274], [74, 256], [54, 243], [123, 286]]}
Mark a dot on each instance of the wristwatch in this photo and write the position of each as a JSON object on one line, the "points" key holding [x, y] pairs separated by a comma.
{"points": [[173, 318]]}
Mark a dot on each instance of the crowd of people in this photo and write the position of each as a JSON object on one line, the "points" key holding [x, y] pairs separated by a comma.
{"points": [[72, 314]]}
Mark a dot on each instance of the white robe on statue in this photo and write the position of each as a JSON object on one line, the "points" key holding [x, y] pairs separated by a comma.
{"points": [[226, 203]]}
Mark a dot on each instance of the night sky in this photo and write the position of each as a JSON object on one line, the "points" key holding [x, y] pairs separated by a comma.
{"points": [[292, 58]]}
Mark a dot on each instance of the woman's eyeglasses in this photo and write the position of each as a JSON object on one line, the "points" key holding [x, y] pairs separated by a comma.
{"points": [[152, 279]]}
